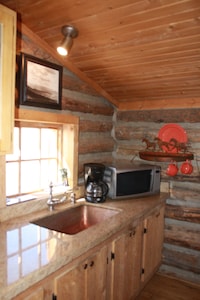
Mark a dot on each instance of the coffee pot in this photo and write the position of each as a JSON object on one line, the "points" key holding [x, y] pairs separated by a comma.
{"points": [[96, 192], [96, 189]]}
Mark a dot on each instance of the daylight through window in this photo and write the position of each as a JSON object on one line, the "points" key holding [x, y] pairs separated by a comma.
{"points": [[35, 160]]}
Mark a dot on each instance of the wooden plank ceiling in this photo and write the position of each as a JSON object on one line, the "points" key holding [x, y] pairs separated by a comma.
{"points": [[144, 54]]}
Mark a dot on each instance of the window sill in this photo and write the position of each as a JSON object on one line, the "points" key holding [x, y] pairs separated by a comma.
{"points": [[57, 191]]}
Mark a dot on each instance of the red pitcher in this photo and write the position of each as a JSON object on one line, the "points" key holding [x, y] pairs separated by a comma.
{"points": [[186, 167], [172, 169]]}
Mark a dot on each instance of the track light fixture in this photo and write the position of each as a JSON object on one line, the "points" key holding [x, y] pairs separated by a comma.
{"points": [[69, 33]]}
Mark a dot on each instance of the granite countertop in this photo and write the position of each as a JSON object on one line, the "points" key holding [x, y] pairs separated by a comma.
{"points": [[29, 253]]}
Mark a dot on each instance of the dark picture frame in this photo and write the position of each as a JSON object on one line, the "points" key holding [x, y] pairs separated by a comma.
{"points": [[40, 82]]}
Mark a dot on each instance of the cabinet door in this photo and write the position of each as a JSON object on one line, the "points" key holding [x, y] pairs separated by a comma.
{"points": [[71, 284], [153, 243], [7, 77], [86, 281], [36, 295], [32, 294], [126, 264], [96, 275]]}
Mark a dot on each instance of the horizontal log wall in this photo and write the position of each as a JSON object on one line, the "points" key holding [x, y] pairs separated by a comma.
{"points": [[95, 141], [78, 98], [181, 252]]}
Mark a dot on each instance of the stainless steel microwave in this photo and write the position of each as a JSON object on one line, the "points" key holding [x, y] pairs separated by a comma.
{"points": [[135, 180]]}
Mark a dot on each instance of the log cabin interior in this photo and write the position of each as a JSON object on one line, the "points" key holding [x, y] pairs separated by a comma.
{"points": [[133, 68]]}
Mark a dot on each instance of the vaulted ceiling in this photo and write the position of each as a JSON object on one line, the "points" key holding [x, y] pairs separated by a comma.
{"points": [[142, 53]]}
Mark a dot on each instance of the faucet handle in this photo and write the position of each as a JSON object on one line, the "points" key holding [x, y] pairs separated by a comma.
{"points": [[51, 184], [73, 197], [50, 191]]}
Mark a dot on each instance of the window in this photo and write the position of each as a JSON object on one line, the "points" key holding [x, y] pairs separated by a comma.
{"points": [[36, 159], [67, 127]]}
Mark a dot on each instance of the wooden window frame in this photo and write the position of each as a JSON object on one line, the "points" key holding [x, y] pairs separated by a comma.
{"points": [[70, 126]]}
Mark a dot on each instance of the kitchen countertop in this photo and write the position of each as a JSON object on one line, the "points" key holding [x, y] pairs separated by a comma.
{"points": [[29, 253]]}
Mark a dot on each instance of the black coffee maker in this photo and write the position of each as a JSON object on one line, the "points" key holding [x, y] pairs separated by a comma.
{"points": [[95, 189]]}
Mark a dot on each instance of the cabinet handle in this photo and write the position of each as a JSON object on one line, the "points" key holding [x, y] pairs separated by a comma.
{"points": [[158, 214], [112, 255], [92, 263], [85, 266], [132, 232]]}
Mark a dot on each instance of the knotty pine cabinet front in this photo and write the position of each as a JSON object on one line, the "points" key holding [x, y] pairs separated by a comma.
{"points": [[36, 294], [136, 256], [152, 244], [112, 273], [43, 290], [125, 268], [86, 281]]}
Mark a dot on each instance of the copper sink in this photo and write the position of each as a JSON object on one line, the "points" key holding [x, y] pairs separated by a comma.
{"points": [[75, 219]]}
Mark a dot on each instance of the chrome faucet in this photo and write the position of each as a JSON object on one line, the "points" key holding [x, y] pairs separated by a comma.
{"points": [[51, 202]]}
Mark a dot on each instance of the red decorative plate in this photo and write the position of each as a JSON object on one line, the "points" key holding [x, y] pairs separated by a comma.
{"points": [[169, 132]]}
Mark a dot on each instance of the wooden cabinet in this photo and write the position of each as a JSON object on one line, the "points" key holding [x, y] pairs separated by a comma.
{"points": [[152, 243], [38, 294], [7, 77], [126, 264], [136, 255], [86, 281], [118, 269], [33, 293], [113, 273]]}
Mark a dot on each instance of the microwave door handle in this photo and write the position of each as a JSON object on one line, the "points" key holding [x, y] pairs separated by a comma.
{"points": [[152, 178]]}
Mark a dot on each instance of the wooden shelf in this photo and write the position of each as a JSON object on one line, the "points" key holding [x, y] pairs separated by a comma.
{"points": [[165, 157]]}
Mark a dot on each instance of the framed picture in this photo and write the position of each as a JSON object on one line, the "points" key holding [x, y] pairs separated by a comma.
{"points": [[40, 82]]}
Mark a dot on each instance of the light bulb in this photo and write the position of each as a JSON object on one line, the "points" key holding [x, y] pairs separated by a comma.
{"points": [[62, 51]]}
